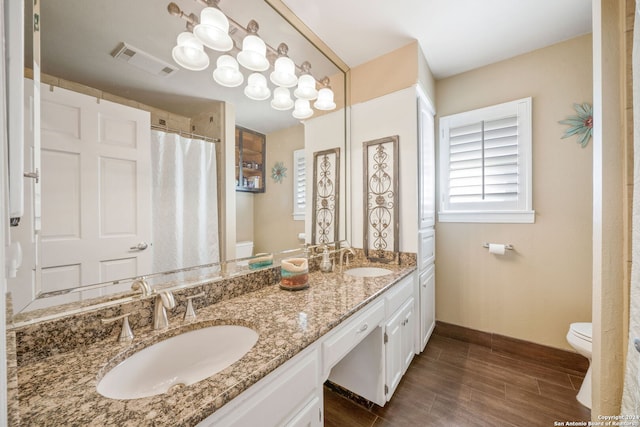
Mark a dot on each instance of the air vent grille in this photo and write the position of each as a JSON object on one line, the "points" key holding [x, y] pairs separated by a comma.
{"points": [[142, 60]]}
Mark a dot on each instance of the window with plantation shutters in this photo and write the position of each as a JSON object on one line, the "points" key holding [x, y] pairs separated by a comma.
{"points": [[299, 185], [485, 164]]}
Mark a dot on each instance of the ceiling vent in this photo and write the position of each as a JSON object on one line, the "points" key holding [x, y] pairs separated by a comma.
{"points": [[141, 59]]}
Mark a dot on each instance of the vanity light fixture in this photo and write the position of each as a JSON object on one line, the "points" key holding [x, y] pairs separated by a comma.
{"points": [[213, 30], [189, 52], [257, 87], [227, 72], [284, 70], [306, 84], [254, 50], [306, 88], [281, 99], [217, 31], [325, 97]]}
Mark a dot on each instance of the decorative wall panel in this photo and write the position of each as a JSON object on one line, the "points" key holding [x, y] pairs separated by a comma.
{"points": [[326, 196], [381, 220]]}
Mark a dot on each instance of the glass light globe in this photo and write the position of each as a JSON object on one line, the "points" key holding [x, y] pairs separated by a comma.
{"points": [[281, 99], [306, 88], [284, 73], [213, 30], [302, 110], [253, 55], [325, 100], [227, 72], [257, 87], [189, 53]]}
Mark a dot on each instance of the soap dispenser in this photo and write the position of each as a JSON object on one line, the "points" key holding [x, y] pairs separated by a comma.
{"points": [[325, 264]]}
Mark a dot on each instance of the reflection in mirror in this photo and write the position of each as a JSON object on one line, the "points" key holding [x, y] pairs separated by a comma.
{"points": [[120, 200]]}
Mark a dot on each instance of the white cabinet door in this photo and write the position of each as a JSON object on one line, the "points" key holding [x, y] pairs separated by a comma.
{"points": [[426, 248], [427, 305], [399, 346], [96, 182], [393, 352], [408, 335], [426, 168]]}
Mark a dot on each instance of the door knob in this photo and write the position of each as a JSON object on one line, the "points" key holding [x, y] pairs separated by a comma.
{"points": [[140, 246], [636, 344]]}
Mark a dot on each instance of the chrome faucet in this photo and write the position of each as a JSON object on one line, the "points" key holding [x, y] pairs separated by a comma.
{"points": [[348, 250], [163, 301]]}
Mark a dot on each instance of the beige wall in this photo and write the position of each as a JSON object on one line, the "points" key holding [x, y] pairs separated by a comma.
{"points": [[536, 291], [274, 207], [386, 74]]}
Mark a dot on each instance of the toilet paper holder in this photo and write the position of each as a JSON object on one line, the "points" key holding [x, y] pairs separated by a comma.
{"points": [[507, 246]]}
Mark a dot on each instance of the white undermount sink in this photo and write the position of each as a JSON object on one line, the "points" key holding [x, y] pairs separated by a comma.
{"points": [[179, 361], [368, 272]]}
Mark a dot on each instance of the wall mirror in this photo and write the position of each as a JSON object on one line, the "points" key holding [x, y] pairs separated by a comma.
{"points": [[78, 39]]}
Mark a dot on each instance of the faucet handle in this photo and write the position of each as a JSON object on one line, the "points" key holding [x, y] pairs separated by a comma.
{"points": [[191, 313], [126, 334]]}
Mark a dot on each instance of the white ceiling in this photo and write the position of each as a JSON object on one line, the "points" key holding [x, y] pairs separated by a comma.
{"points": [[455, 35]]}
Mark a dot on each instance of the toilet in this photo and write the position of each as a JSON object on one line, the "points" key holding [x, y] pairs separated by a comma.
{"points": [[244, 249], [579, 337]]}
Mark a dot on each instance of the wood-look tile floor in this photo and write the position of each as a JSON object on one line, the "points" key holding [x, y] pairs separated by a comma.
{"points": [[455, 383]]}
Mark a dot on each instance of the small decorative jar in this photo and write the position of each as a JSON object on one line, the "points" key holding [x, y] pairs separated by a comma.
{"points": [[294, 274]]}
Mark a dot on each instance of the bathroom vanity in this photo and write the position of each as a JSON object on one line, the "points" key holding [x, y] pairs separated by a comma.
{"points": [[304, 338]]}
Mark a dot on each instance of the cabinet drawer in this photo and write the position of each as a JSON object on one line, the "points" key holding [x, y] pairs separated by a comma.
{"points": [[427, 249], [397, 295], [350, 334], [274, 399]]}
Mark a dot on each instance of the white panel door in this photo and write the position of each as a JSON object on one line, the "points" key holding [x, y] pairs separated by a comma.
{"points": [[96, 195]]}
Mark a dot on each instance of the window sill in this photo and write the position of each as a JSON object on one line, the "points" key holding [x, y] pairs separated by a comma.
{"points": [[502, 217]]}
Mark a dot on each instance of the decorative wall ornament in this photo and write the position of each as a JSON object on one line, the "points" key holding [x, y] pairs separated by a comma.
{"points": [[326, 196], [278, 172], [381, 220], [582, 124]]}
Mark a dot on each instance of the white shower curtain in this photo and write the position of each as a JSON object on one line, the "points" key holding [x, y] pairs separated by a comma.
{"points": [[184, 202], [631, 392]]}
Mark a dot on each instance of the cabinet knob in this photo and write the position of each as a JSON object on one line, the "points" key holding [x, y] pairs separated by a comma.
{"points": [[363, 328]]}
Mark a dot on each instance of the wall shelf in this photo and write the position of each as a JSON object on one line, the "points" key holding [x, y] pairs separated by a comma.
{"points": [[250, 160]]}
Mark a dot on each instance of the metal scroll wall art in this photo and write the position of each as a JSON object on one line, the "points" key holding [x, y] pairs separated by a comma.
{"points": [[326, 195], [381, 222]]}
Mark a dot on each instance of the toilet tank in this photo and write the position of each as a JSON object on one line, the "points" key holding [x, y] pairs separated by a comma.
{"points": [[244, 249]]}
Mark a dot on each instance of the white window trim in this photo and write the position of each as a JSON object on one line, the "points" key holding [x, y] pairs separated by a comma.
{"points": [[473, 212], [298, 211]]}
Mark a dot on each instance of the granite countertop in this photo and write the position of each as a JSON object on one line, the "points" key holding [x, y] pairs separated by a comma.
{"points": [[61, 389]]}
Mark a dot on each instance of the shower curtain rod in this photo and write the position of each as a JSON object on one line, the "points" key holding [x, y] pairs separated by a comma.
{"points": [[183, 133]]}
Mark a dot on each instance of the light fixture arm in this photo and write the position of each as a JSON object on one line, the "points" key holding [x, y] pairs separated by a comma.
{"points": [[192, 18]]}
